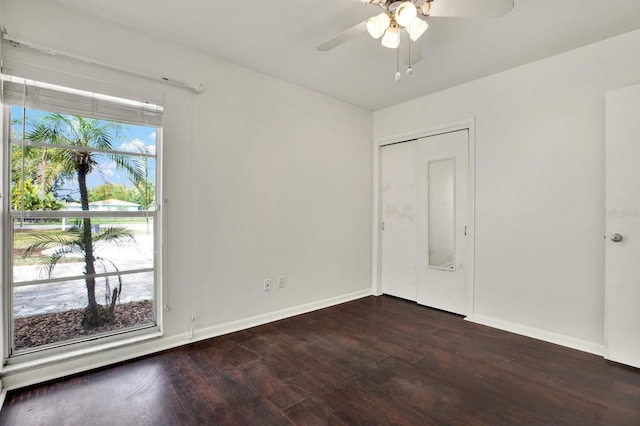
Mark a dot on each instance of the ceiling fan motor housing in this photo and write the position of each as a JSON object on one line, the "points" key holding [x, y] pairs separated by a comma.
{"points": [[422, 6]]}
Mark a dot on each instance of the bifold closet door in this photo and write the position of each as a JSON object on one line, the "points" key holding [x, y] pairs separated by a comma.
{"points": [[398, 213], [426, 234]]}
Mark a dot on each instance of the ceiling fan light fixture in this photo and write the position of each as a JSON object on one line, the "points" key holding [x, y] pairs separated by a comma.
{"points": [[377, 25], [391, 37], [417, 28], [406, 13]]}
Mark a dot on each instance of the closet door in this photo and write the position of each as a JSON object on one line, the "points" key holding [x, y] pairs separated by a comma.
{"points": [[443, 227], [398, 213]]}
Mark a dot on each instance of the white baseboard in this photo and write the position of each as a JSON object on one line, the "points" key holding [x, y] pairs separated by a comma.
{"points": [[3, 396], [230, 327], [17, 376], [536, 333]]}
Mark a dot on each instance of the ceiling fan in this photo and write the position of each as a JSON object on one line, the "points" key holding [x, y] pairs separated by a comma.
{"points": [[404, 21]]}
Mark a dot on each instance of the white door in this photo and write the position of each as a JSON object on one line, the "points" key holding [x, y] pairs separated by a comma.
{"points": [[622, 252], [444, 230], [398, 215]]}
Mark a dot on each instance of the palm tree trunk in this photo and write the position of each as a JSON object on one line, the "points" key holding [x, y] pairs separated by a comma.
{"points": [[93, 316]]}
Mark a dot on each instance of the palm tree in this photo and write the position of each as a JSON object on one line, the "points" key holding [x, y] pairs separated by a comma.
{"points": [[79, 136], [73, 242]]}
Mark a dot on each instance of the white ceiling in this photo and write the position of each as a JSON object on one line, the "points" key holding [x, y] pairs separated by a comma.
{"points": [[279, 38]]}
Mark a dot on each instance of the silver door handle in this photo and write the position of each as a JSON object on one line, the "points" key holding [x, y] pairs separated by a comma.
{"points": [[616, 238]]}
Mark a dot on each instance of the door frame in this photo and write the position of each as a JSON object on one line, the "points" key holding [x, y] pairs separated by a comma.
{"points": [[468, 124]]}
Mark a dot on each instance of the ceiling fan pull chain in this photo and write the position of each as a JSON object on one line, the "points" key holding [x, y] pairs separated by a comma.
{"points": [[398, 76], [409, 68]]}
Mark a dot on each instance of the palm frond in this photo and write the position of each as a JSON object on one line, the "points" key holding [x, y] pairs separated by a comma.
{"points": [[58, 254], [65, 125], [117, 235], [132, 166], [108, 294], [61, 238], [43, 133], [100, 135]]}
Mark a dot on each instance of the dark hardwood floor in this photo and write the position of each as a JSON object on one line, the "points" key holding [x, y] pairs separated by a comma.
{"points": [[377, 360]]}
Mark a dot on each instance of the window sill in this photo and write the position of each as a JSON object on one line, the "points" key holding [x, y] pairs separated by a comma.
{"points": [[16, 364]]}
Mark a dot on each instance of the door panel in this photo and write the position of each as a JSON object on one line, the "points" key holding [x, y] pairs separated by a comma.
{"points": [[622, 265], [443, 209], [398, 183]]}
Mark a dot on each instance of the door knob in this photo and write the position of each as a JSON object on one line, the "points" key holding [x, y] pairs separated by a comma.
{"points": [[616, 238]]}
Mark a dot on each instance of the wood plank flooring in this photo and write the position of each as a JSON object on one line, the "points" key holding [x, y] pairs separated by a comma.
{"points": [[377, 360]]}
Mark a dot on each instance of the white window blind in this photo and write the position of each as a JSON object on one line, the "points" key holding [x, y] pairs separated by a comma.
{"points": [[48, 97]]}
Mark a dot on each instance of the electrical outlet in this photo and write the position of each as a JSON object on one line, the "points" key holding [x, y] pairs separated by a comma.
{"points": [[281, 281], [267, 284]]}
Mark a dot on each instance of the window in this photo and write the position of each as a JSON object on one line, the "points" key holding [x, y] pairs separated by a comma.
{"points": [[82, 257]]}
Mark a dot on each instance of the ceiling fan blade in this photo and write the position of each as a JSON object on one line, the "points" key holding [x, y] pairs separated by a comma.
{"points": [[410, 51], [343, 36], [470, 8]]}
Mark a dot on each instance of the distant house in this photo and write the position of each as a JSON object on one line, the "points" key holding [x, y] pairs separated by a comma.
{"points": [[113, 205], [72, 206], [106, 205]]}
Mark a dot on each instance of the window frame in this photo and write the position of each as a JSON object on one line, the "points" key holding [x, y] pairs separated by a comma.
{"points": [[83, 344]]}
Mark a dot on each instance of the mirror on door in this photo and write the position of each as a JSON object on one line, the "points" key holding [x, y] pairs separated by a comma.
{"points": [[441, 214]]}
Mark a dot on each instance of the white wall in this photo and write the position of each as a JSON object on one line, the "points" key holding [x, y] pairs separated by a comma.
{"points": [[539, 185], [262, 178]]}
